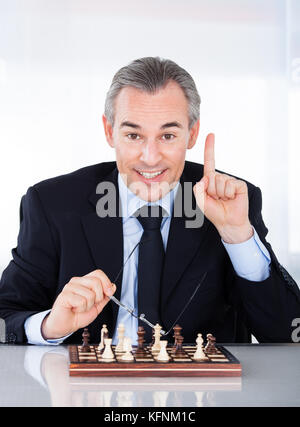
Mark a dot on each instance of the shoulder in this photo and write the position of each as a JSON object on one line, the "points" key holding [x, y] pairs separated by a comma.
{"points": [[71, 188]]}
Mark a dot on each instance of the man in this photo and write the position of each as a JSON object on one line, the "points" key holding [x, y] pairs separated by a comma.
{"points": [[69, 253]]}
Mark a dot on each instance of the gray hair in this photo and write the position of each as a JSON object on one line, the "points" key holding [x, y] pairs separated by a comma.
{"points": [[150, 74]]}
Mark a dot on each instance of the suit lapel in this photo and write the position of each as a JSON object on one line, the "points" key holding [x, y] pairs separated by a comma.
{"points": [[183, 243], [105, 239]]}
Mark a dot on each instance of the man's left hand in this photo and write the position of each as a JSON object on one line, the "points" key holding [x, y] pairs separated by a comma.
{"points": [[223, 199]]}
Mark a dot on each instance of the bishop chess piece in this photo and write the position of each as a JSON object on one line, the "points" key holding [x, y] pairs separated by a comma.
{"points": [[199, 354], [85, 348]]}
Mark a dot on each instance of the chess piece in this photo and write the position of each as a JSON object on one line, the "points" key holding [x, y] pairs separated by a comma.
{"points": [[127, 357], [103, 336], [210, 345], [156, 345], [108, 353], [179, 352], [177, 332], [121, 332], [85, 342], [140, 348], [163, 354], [199, 354]]}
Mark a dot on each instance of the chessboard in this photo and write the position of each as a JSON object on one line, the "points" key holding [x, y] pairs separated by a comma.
{"points": [[88, 362]]}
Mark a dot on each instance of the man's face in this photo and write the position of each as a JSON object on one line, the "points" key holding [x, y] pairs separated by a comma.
{"points": [[151, 135]]}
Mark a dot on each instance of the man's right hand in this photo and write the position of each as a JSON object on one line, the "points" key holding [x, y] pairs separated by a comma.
{"points": [[78, 305]]}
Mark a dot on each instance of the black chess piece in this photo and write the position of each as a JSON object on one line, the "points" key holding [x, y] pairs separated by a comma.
{"points": [[85, 341]]}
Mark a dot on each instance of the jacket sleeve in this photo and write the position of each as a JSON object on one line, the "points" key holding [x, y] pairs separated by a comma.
{"points": [[29, 282], [270, 305]]}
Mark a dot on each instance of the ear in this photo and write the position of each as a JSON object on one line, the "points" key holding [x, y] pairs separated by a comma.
{"points": [[108, 129], [194, 131]]}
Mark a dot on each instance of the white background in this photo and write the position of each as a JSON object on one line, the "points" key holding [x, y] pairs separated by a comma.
{"points": [[57, 59]]}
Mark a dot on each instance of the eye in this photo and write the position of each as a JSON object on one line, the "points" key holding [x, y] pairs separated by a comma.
{"points": [[168, 136], [133, 136]]}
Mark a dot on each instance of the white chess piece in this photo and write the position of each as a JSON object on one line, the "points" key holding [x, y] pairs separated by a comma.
{"points": [[104, 332], [163, 354], [156, 345], [128, 357], [108, 353], [121, 332], [199, 354]]}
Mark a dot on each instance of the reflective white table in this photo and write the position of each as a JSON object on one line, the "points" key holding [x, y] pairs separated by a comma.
{"points": [[38, 376]]}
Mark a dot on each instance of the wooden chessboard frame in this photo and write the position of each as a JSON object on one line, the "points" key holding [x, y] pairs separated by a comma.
{"points": [[222, 364]]}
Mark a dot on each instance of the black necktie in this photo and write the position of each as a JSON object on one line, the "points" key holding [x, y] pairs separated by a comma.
{"points": [[150, 265]]}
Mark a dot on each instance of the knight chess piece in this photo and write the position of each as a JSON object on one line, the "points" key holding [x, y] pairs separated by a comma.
{"points": [[210, 347]]}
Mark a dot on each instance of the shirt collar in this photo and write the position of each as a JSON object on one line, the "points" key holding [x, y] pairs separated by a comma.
{"points": [[130, 203]]}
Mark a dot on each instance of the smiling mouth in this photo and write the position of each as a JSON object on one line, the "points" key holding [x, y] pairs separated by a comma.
{"points": [[150, 175]]}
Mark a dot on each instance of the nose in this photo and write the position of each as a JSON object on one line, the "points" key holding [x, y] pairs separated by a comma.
{"points": [[151, 154]]}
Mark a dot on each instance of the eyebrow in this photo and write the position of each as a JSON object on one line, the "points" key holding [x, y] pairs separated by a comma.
{"points": [[164, 126]]}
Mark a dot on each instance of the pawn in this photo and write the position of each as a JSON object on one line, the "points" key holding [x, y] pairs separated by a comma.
{"points": [[127, 357], [85, 341], [199, 355], [108, 353], [163, 354]]}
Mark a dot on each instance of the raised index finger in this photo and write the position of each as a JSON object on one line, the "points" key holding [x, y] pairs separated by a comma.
{"points": [[209, 154]]}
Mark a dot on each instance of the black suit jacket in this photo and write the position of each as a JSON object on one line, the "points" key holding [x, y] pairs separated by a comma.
{"points": [[62, 236]]}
